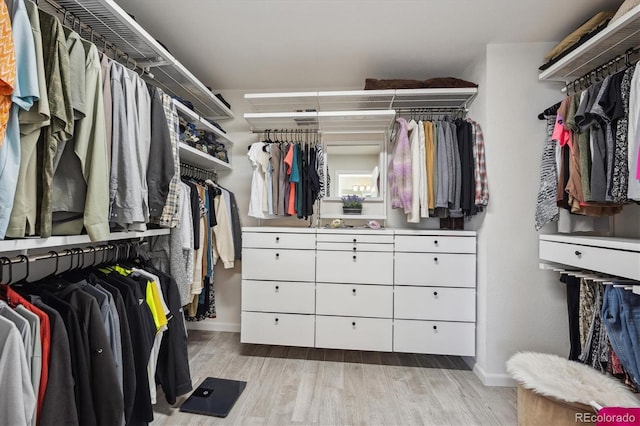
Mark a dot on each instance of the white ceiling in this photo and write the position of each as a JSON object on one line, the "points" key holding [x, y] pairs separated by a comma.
{"points": [[333, 44]]}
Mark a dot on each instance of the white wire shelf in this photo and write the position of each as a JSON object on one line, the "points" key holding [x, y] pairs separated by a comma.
{"points": [[202, 160], [361, 100], [609, 43], [323, 121], [201, 122], [23, 244], [112, 22]]}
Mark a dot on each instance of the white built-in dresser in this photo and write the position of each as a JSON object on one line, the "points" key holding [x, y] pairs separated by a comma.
{"points": [[360, 289]]}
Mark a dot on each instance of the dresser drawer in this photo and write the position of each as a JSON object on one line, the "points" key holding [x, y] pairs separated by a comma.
{"points": [[435, 303], [365, 238], [329, 246], [354, 300], [354, 268], [278, 296], [435, 269], [435, 337], [620, 263], [277, 329], [364, 334], [278, 265], [435, 244], [274, 240]]}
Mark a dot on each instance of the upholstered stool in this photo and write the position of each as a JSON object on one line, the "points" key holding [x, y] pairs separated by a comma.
{"points": [[555, 391]]}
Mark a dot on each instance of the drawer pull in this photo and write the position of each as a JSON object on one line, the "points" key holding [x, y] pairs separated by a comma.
{"points": [[354, 240], [354, 249], [435, 242], [435, 259], [354, 257], [277, 239], [578, 253], [277, 287], [354, 291], [277, 255], [435, 293], [276, 320], [353, 324], [435, 327]]}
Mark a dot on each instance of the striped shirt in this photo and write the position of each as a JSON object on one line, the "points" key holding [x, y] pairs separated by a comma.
{"points": [[479, 166], [170, 218]]}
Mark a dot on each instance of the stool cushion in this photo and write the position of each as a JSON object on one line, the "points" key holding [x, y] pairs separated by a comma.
{"points": [[568, 381]]}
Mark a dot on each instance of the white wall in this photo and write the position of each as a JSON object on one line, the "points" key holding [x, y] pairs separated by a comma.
{"points": [[520, 307]]}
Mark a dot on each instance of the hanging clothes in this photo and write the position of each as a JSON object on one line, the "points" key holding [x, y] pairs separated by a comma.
{"points": [[80, 183], [24, 92], [400, 168], [259, 159], [14, 378], [633, 137], [413, 215], [446, 164], [592, 138], [24, 212], [102, 348]]}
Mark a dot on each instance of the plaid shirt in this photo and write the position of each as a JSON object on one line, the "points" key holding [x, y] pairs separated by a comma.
{"points": [[169, 218], [480, 169]]}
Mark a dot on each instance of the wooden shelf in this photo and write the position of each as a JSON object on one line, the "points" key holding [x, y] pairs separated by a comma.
{"points": [[609, 43], [71, 240]]}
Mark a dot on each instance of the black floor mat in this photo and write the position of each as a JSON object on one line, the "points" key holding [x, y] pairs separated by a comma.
{"points": [[214, 397]]}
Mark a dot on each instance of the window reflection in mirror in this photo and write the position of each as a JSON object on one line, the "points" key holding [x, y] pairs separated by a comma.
{"points": [[354, 169]]}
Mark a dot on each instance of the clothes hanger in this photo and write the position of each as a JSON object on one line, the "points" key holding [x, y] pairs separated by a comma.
{"points": [[57, 256], [10, 269], [25, 259]]}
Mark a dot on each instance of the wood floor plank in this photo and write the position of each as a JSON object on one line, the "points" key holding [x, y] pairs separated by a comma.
{"points": [[310, 386]]}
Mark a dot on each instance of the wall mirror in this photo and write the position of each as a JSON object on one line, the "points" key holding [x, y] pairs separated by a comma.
{"points": [[355, 164], [354, 169]]}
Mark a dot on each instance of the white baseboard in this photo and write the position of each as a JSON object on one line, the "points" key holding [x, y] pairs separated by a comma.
{"points": [[493, 379], [213, 325]]}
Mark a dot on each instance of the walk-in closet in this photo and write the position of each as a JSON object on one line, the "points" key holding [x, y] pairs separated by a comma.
{"points": [[319, 212]]}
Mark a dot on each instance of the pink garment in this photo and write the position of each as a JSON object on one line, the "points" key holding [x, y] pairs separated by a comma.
{"points": [[401, 186]]}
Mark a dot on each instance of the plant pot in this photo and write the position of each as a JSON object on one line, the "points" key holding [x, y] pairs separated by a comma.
{"points": [[352, 210]]}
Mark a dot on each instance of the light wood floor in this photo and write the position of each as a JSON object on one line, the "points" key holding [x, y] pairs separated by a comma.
{"points": [[301, 386]]}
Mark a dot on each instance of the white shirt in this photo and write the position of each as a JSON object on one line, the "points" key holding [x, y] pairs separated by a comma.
{"points": [[424, 202], [259, 161], [414, 215]]}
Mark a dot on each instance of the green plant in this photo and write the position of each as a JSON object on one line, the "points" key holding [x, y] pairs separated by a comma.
{"points": [[352, 201]]}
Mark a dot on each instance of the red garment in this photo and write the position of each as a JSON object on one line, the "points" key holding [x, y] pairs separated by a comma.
{"points": [[14, 299], [288, 160]]}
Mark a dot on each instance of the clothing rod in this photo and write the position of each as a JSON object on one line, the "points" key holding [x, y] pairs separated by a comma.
{"points": [[188, 170], [287, 131], [119, 55], [601, 72], [4, 261], [430, 109]]}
